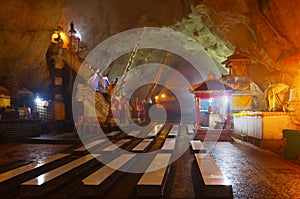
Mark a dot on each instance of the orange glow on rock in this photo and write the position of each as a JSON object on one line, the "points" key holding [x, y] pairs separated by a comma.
{"points": [[63, 36], [292, 60]]}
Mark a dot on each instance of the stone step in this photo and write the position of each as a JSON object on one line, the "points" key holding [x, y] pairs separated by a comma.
{"points": [[153, 181], [216, 184], [134, 133], [116, 146], [169, 145], [198, 146], [90, 146], [174, 131], [143, 145], [46, 182], [190, 129], [13, 178], [113, 133], [96, 183], [155, 131]]}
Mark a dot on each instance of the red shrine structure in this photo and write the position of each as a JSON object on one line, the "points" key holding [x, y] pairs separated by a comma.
{"points": [[212, 104]]}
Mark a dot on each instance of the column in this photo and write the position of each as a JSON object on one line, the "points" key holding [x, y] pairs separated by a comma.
{"points": [[197, 111], [59, 105], [228, 119]]}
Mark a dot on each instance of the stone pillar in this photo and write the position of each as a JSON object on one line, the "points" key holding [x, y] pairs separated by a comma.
{"points": [[228, 119], [197, 112], [59, 105], [224, 106]]}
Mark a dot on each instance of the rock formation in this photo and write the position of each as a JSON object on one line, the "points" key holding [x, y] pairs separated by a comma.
{"points": [[266, 30]]}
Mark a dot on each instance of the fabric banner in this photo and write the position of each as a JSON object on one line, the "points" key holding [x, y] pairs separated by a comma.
{"points": [[4, 102], [241, 102]]}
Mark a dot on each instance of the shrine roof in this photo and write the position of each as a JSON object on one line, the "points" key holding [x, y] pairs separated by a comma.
{"points": [[211, 85], [236, 56]]}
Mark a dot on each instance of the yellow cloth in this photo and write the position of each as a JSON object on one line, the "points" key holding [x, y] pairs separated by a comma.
{"points": [[59, 111], [241, 101], [4, 102]]}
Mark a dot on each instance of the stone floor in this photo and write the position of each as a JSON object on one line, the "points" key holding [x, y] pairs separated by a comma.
{"points": [[253, 172], [16, 152], [257, 173]]}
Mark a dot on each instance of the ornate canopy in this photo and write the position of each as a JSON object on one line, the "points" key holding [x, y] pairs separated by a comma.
{"points": [[211, 88]]}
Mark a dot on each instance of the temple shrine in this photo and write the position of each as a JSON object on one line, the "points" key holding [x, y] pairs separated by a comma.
{"points": [[212, 107]]}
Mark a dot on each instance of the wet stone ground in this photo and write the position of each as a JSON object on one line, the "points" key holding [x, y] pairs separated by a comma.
{"points": [[253, 172], [15, 154], [257, 173]]}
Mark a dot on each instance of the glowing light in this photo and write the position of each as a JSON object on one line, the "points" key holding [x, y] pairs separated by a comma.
{"points": [[41, 179], [156, 98], [54, 36], [163, 95], [226, 99], [210, 101], [78, 35], [62, 35], [65, 38], [38, 100]]}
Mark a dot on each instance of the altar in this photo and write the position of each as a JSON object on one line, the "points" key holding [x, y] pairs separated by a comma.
{"points": [[15, 123], [263, 129], [20, 128], [212, 104]]}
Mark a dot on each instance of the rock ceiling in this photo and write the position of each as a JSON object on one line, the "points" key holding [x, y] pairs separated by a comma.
{"points": [[267, 31]]}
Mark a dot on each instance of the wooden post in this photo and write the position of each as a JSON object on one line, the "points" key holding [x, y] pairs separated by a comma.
{"points": [[59, 105], [197, 111], [228, 120]]}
